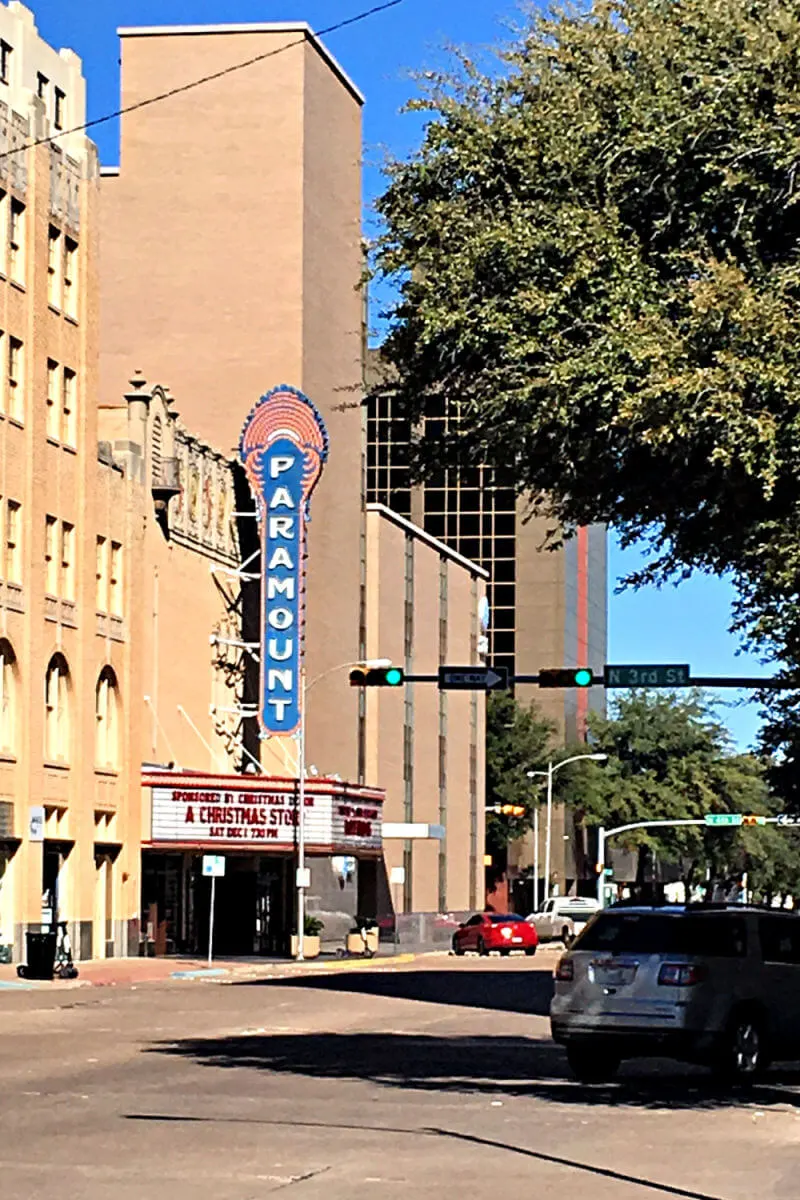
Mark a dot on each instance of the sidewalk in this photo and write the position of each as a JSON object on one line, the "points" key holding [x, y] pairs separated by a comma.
{"points": [[131, 972]]}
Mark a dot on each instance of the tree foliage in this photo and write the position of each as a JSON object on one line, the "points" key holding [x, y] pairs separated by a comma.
{"points": [[596, 256], [670, 758], [518, 739]]}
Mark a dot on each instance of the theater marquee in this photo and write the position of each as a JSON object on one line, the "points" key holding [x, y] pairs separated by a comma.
{"points": [[265, 819]]}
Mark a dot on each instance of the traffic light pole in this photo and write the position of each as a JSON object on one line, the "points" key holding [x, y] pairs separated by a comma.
{"points": [[604, 834]]}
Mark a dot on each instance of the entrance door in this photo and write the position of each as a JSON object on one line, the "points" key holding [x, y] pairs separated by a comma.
{"points": [[271, 931], [51, 870], [103, 936]]}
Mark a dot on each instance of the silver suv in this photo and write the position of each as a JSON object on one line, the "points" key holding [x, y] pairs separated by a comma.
{"points": [[712, 984]]}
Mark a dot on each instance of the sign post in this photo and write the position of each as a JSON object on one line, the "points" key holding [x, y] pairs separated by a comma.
{"points": [[397, 878], [213, 866]]}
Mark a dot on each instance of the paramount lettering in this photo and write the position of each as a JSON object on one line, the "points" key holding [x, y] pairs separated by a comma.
{"points": [[283, 448]]}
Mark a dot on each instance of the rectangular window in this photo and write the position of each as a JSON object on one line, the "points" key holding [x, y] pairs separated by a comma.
{"points": [[115, 580], [16, 391], [41, 85], [54, 267], [4, 206], [70, 293], [102, 575], [13, 564], [59, 108], [5, 62], [67, 560], [53, 430], [68, 394], [50, 558], [16, 241]]}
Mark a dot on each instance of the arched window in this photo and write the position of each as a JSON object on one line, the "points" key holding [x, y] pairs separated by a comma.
{"points": [[106, 710], [56, 710], [8, 698], [156, 451]]}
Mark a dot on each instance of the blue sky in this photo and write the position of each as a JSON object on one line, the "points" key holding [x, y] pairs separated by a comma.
{"points": [[688, 624]]}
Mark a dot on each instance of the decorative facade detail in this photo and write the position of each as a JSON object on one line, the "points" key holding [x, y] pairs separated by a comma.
{"points": [[65, 183], [14, 135]]}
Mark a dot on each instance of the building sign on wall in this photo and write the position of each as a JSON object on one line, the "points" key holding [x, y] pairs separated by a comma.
{"points": [[283, 447], [263, 820]]}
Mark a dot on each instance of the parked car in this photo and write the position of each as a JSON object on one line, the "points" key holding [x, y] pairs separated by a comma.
{"points": [[712, 984], [563, 917], [490, 931]]}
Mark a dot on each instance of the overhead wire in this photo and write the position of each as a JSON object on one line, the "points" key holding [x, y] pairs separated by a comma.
{"points": [[195, 83]]}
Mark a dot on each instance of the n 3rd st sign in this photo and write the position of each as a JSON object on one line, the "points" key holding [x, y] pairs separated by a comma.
{"points": [[283, 448], [647, 675]]}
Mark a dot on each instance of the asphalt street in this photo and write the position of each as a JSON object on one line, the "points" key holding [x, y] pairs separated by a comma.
{"points": [[433, 1078]]}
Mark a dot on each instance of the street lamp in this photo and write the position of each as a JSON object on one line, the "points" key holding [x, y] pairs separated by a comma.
{"points": [[301, 791], [548, 774]]}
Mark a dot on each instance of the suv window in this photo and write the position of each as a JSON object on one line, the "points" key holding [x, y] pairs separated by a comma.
{"points": [[718, 935], [780, 939]]}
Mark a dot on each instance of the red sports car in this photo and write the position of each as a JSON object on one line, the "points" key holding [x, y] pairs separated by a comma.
{"points": [[495, 931]]}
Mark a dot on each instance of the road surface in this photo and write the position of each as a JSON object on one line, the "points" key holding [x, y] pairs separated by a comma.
{"points": [[436, 1078]]}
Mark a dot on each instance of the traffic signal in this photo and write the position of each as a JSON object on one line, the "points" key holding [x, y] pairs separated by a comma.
{"points": [[753, 820], [510, 810], [376, 677], [566, 677]]}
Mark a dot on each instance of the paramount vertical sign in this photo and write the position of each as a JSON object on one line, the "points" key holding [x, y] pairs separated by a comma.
{"points": [[283, 447]]}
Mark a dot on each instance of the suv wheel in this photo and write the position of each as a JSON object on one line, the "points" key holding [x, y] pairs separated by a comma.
{"points": [[744, 1051], [567, 936], [482, 948], [457, 947], [591, 1063]]}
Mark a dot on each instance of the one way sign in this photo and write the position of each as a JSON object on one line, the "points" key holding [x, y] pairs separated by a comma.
{"points": [[482, 679]]}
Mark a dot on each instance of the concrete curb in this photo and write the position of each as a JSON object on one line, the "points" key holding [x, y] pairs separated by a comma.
{"points": [[226, 975]]}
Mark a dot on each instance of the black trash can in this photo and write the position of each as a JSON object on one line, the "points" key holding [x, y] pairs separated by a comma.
{"points": [[41, 955]]}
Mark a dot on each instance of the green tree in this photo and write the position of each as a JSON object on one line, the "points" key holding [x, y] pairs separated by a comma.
{"points": [[670, 758], [596, 256], [518, 739]]}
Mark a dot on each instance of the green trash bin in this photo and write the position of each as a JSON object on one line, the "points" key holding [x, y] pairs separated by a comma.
{"points": [[41, 955]]}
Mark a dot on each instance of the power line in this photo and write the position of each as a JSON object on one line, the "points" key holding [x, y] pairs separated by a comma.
{"points": [[187, 87]]}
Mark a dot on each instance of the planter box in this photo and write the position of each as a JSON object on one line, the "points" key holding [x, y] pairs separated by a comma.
{"points": [[355, 942], [310, 946]]}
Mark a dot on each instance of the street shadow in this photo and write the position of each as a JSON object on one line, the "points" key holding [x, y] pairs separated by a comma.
{"points": [[484, 1065], [505, 991]]}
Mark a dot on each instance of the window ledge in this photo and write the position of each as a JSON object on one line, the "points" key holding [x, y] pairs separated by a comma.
{"points": [[17, 421], [15, 283], [69, 449], [54, 308], [52, 441], [72, 320], [55, 766], [107, 772], [6, 756]]}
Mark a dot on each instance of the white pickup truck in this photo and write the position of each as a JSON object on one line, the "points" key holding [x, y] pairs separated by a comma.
{"points": [[563, 917]]}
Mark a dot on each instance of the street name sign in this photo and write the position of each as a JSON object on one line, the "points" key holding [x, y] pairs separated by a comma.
{"points": [[787, 819], [477, 678], [723, 818], [646, 675]]}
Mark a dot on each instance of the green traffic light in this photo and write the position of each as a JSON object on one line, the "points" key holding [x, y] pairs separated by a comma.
{"points": [[394, 676], [583, 677]]}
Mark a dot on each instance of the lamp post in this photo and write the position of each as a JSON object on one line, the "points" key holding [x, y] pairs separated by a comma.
{"points": [[301, 791], [548, 774]]}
